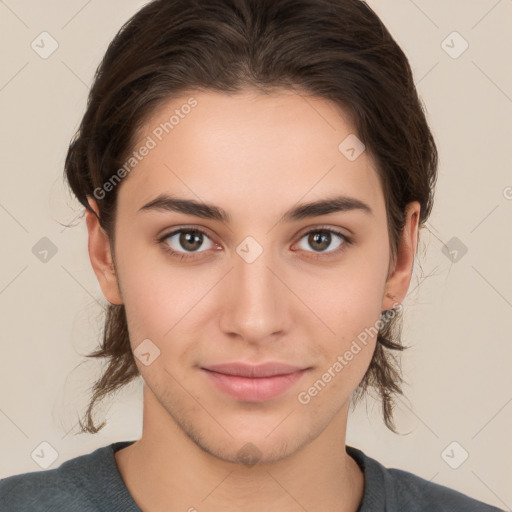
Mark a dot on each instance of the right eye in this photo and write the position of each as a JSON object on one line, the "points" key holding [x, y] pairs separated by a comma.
{"points": [[184, 243]]}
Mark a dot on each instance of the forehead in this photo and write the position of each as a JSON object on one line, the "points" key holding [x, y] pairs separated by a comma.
{"points": [[249, 149]]}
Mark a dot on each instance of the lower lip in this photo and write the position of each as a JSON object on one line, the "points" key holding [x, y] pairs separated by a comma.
{"points": [[253, 389]]}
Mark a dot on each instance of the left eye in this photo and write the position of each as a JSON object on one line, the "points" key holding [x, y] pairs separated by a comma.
{"points": [[320, 239]]}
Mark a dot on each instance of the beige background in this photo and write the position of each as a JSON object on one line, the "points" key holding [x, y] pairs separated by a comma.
{"points": [[458, 314]]}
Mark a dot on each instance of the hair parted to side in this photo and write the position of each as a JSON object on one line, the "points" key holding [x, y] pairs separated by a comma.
{"points": [[338, 50]]}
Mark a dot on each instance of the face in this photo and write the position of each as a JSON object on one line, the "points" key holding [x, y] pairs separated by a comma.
{"points": [[260, 284]]}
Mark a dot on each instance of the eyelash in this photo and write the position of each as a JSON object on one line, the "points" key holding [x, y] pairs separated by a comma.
{"points": [[193, 256]]}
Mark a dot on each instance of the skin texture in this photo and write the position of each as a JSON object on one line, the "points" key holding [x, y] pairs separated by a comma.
{"points": [[256, 156]]}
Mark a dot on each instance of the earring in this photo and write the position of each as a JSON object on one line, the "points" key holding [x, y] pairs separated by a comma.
{"points": [[390, 313]]}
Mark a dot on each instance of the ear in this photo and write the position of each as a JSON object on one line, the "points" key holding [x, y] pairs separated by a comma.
{"points": [[100, 255], [398, 281]]}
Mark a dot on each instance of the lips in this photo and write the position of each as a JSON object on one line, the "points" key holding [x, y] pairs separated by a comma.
{"points": [[255, 371], [252, 383]]}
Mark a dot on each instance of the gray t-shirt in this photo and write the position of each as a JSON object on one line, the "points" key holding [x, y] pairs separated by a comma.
{"points": [[92, 483]]}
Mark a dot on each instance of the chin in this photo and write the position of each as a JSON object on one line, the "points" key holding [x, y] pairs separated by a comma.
{"points": [[256, 446]]}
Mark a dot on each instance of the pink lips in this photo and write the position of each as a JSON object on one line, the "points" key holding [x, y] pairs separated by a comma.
{"points": [[253, 383]]}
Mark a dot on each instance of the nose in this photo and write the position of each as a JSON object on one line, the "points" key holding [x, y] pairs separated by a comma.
{"points": [[254, 300]]}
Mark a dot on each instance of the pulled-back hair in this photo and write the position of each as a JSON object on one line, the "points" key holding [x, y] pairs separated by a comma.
{"points": [[338, 50]]}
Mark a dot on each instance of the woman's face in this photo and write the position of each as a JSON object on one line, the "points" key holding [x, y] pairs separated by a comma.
{"points": [[254, 287]]}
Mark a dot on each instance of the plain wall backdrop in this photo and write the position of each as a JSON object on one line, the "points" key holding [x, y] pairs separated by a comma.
{"points": [[457, 418]]}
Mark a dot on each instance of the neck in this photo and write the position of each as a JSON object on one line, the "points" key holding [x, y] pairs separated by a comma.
{"points": [[166, 470]]}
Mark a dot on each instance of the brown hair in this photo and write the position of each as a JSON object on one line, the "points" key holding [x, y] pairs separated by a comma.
{"points": [[334, 49]]}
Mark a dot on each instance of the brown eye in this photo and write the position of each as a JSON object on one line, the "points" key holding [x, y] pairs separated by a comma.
{"points": [[185, 241], [319, 240], [190, 240]]}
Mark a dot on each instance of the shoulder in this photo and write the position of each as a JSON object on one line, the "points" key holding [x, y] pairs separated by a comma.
{"points": [[418, 494], [62, 488], [397, 490]]}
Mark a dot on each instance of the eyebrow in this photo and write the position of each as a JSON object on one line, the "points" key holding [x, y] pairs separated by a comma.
{"points": [[165, 202]]}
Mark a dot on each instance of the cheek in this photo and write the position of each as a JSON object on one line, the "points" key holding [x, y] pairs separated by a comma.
{"points": [[349, 298], [349, 305], [156, 306], [146, 290], [163, 302]]}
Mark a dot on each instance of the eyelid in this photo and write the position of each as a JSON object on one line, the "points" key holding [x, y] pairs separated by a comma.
{"points": [[201, 230], [185, 228], [333, 229], [205, 231]]}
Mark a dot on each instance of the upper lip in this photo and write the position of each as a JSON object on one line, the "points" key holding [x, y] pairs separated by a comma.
{"points": [[269, 369]]}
